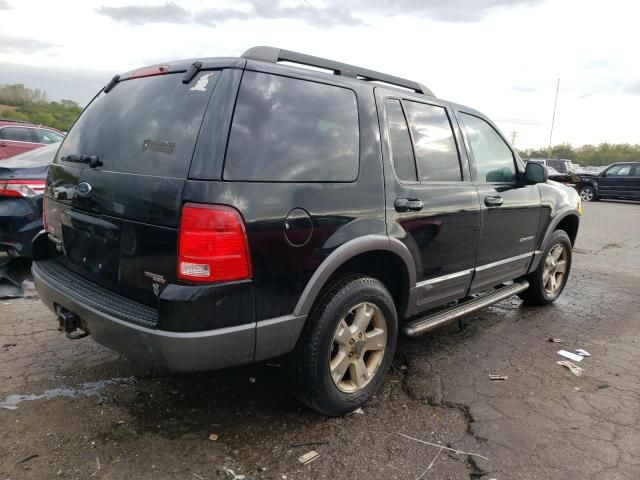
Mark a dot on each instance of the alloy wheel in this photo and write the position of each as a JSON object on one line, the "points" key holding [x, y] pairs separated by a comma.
{"points": [[586, 194], [359, 345], [555, 268]]}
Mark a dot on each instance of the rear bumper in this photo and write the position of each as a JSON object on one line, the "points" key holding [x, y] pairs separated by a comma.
{"points": [[179, 351]]}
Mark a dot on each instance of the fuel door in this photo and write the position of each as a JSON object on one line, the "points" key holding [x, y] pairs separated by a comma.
{"points": [[298, 227]]}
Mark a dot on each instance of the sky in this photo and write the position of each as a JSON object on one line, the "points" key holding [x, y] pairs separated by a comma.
{"points": [[502, 57]]}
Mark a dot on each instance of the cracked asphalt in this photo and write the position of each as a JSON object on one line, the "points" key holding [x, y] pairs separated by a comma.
{"points": [[93, 414]]}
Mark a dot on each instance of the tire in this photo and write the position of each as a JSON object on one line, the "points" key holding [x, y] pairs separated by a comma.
{"points": [[587, 193], [323, 342], [540, 291]]}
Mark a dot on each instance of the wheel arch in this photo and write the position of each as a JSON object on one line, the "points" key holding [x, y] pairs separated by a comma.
{"points": [[375, 255]]}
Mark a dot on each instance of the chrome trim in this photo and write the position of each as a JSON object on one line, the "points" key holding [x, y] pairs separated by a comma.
{"points": [[444, 278], [488, 266]]}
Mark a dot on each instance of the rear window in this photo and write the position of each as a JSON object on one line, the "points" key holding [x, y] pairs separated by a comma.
{"points": [[292, 130], [145, 126]]}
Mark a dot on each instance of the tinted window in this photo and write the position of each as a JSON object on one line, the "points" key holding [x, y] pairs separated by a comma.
{"points": [[618, 171], [559, 165], [493, 160], [292, 130], [145, 125], [400, 142], [17, 134], [47, 136], [435, 147]]}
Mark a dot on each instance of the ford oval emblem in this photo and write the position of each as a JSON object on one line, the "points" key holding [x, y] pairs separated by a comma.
{"points": [[84, 189]]}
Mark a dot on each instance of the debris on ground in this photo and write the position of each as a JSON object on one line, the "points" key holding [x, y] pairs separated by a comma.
{"points": [[213, 437], [308, 457], [26, 459], [442, 447], [357, 411], [252, 379], [308, 444], [582, 352], [570, 355], [233, 474], [555, 340], [497, 377], [576, 370], [602, 385], [7, 345]]}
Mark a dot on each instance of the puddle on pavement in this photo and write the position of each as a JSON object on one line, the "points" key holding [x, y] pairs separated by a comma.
{"points": [[89, 389]]}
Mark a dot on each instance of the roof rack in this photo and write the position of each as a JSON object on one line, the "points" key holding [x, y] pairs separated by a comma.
{"points": [[274, 55]]}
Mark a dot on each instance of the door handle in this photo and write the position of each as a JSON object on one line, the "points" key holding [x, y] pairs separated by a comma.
{"points": [[493, 201], [408, 205]]}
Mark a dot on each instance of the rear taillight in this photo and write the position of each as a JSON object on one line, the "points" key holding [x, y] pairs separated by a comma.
{"points": [[21, 188], [212, 244]]}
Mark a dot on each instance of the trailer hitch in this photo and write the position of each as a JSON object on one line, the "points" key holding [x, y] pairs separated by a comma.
{"points": [[69, 323]]}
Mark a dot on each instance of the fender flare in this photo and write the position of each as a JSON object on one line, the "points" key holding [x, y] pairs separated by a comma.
{"points": [[344, 253], [553, 224], [557, 218]]}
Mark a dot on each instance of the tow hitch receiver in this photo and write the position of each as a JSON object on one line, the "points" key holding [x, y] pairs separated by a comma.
{"points": [[69, 323]]}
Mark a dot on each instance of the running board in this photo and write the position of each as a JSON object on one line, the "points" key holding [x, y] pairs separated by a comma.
{"points": [[435, 320]]}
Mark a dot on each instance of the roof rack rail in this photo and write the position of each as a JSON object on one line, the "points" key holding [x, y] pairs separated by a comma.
{"points": [[274, 55]]}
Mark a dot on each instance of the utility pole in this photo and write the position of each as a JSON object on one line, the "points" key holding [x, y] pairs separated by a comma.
{"points": [[553, 118], [514, 135]]}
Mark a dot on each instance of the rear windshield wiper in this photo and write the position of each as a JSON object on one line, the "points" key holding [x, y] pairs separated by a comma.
{"points": [[92, 160]]}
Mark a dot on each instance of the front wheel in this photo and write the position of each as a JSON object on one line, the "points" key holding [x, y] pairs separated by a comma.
{"points": [[547, 282], [587, 193], [346, 348]]}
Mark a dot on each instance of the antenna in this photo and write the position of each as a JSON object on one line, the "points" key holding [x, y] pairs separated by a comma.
{"points": [[553, 118]]}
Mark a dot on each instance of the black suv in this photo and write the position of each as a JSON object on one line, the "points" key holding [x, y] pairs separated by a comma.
{"points": [[209, 213], [619, 180]]}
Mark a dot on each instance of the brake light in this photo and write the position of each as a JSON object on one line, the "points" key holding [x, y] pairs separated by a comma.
{"points": [[149, 71], [21, 188], [212, 244]]}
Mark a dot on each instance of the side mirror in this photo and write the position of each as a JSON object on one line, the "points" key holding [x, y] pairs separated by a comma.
{"points": [[535, 173]]}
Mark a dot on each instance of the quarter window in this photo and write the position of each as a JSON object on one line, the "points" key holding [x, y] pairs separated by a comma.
{"points": [[17, 134], [434, 145], [493, 159], [293, 130], [400, 142]]}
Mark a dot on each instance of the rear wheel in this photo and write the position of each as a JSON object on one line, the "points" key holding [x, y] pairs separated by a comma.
{"points": [[346, 348], [549, 279], [587, 193]]}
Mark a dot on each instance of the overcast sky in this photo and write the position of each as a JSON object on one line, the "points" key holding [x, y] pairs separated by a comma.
{"points": [[502, 57]]}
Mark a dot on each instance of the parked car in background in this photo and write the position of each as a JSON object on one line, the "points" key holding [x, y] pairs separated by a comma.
{"points": [[19, 137], [570, 179], [22, 181], [170, 224], [559, 164], [619, 180]]}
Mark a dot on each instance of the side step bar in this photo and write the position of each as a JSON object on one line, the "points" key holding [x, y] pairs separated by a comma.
{"points": [[435, 320]]}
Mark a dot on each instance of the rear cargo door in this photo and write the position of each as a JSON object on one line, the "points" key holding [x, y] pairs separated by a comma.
{"points": [[116, 183]]}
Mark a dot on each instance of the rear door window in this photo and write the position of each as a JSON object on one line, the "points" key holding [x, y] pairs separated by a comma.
{"points": [[16, 134], [291, 130], [404, 162], [434, 145], [146, 126]]}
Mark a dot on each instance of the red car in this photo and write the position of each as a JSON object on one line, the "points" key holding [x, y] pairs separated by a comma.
{"points": [[19, 137]]}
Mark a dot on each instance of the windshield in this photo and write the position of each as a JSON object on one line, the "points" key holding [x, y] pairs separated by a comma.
{"points": [[145, 126]]}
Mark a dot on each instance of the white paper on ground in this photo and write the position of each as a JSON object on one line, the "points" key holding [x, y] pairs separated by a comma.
{"points": [[571, 356]]}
